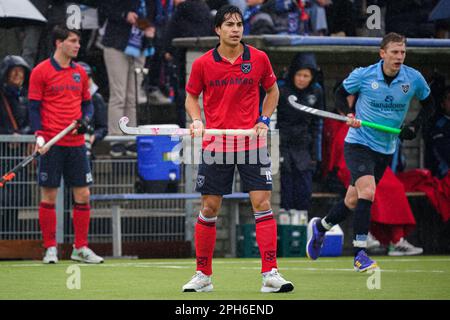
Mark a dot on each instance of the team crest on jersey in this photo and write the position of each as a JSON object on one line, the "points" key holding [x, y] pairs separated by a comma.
{"points": [[44, 176], [77, 77], [246, 67], [200, 181], [405, 88], [311, 99], [374, 85]]}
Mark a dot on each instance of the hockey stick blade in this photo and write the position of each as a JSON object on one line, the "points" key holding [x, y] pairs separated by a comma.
{"points": [[162, 131], [150, 130]]}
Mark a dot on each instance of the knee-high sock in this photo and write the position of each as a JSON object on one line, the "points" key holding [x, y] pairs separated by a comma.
{"points": [[205, 241], [266, 237], [337, 214], [81, 218], [361, 224], [47, 221]]}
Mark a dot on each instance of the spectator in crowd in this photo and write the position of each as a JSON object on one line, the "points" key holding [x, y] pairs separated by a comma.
{"points": [[32, 35], [99, 123], [157, 82], [285, 16], [37, 43], [191, 18], [316, 11], [341, 18], [14, 73], [299, 133], [438, 138], [127, 42], [410, 18], [215, 5], [256, 20], [241, 4]]}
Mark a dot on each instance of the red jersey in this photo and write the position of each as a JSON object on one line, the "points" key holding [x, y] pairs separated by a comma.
{"points": [[231, 95], [61, 92]]}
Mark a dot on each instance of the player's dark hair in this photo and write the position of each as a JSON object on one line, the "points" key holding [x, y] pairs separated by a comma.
{"points": [[392, 37], [224, 12], [62, 32]]}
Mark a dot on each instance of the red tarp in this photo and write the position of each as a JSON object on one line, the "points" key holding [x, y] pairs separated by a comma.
{"points": [[334, 133], [437, 191]]}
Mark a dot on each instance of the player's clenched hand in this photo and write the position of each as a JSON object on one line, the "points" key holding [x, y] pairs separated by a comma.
{"points": [[261, 129], [408, 132], [39, 146], [352, 122], [196, 128]]}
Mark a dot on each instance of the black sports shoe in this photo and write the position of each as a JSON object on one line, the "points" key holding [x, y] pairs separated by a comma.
{"points": [[117, 150], [131, 149]]}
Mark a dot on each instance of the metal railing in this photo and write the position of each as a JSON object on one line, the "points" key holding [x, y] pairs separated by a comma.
{"points": [[143, 220]]}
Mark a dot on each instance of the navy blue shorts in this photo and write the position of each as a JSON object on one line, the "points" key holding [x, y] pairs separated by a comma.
{"points": [[68, 162], [363, 161], [216, 172]]}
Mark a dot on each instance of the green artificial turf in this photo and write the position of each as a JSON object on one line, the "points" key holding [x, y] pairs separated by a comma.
{"points": [[420, 277]]}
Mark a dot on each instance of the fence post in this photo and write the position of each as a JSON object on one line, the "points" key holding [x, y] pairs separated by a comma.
{"points": [[189, 207], [59, 207], [116, 230]]}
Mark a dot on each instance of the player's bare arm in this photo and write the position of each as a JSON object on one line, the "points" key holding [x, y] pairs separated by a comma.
{"points": [[269, 105], [194, 111], [345, 104]]}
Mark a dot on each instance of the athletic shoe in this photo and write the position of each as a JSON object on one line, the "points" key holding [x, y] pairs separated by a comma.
{"points": [[85, 254], [200, 282], [315, 239], [156, 97], [404, 248], [363, 263], [117, 150], [51, 256], [372, 243], [131, 149], [274, 282]]}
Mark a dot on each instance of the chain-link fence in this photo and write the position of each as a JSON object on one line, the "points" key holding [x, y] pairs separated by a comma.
{"points": [[142, 220]]}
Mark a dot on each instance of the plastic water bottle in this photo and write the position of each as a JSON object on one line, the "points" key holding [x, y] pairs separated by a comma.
{"points": [[171, 94], [303, 220]]}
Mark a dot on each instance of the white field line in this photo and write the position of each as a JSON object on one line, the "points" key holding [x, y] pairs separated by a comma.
{"points": [[247, 261], [352, 270], [189, 265]]}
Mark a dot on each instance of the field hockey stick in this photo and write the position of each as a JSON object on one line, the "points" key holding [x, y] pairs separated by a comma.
{"points": [[325, 114], [162, 131], [11, 174]]}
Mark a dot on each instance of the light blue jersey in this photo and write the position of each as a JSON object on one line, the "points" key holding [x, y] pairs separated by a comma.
{"points": [[382, 103]]}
